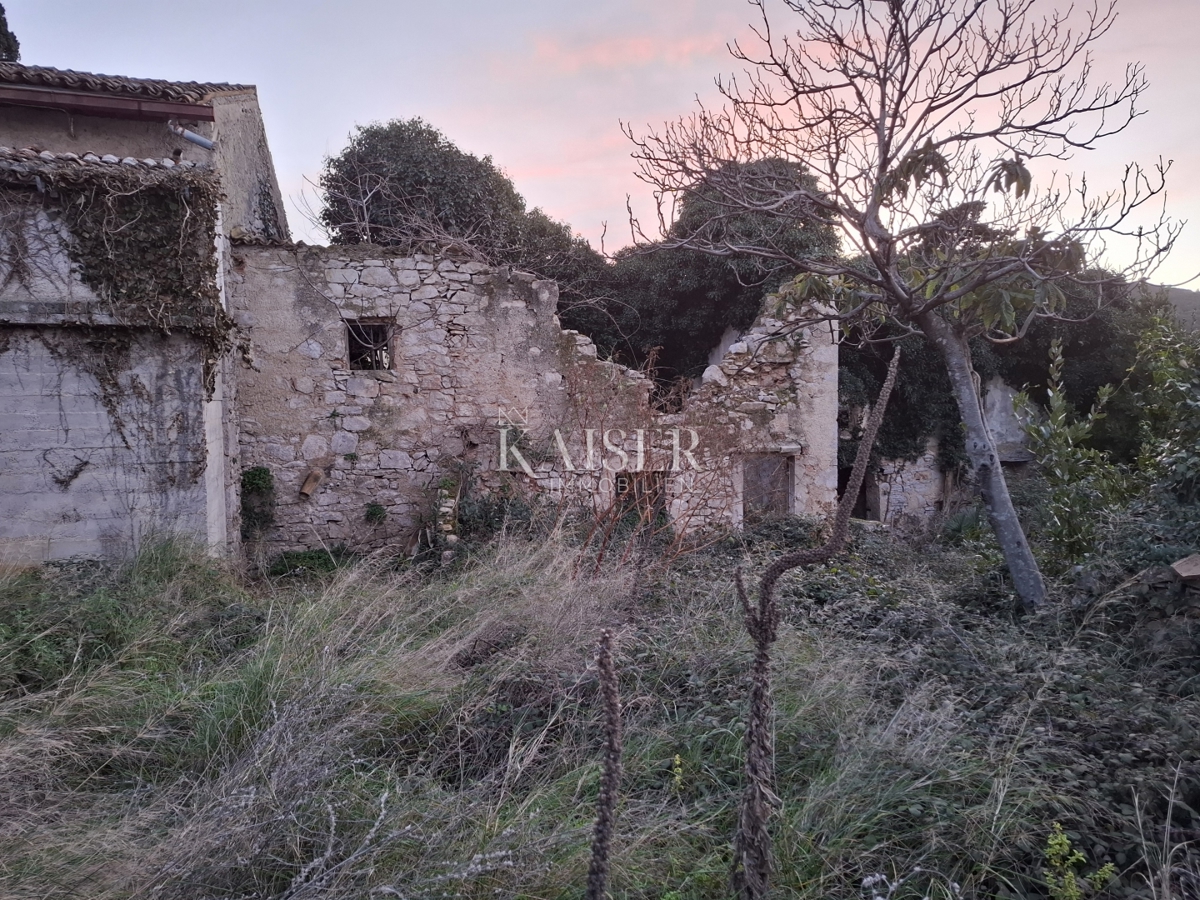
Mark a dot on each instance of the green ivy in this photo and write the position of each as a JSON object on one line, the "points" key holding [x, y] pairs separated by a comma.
{"points": [[258, 502], [144, 241]]}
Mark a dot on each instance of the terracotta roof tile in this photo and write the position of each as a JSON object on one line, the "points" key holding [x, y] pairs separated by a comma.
{"points": [[144, 88], [35, 168]]}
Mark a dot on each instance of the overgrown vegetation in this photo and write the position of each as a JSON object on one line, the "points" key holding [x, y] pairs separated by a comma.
{"points": [[1099, 344], [143, 239], [258, 502], [404, 184], [171, 729]]}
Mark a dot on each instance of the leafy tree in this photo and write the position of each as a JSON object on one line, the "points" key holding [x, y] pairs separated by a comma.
{"points": [[405, 183], [10, 47], [404, 179], [919, 120], [1099, 342], [673, 304], [1099, 337], [1167, 391]]}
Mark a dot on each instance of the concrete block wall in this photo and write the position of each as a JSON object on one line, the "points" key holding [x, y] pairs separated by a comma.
{"points": [[90, 468]]}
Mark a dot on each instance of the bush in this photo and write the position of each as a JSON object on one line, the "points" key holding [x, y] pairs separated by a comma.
{"points": [[310, 562], [258, 502], [1084, 483]]}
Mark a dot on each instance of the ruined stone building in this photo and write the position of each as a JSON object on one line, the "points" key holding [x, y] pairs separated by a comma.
{"points": [[160, 336], [164, 346]]}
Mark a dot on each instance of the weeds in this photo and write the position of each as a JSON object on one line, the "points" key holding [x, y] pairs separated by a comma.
{"points": [[610, 779], [380, 733]]}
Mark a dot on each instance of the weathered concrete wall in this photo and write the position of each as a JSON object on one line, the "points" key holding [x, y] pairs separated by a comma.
{"points": [[38, 284], [1006, 427], [60, 132], [253, 206], [477, 353], [127, 405], [101, 441]]}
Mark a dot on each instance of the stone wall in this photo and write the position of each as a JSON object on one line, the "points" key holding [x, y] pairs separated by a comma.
{"points": [[908, 493], [913, 493], [102, 441], [477, 363]]}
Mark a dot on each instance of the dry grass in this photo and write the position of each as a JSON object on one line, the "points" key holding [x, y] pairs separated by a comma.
{"points": [[166, 732]]}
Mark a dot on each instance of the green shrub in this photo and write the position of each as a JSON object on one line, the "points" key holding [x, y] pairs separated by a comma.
{"points": [[258, 502], [1083, 481], [310, 562]]}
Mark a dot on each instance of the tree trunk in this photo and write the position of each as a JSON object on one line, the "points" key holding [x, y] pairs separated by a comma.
{"points": [[985, 463]]}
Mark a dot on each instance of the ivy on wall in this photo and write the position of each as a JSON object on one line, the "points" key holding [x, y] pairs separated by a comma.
{"points": [[1099, 341], [143, 239]]}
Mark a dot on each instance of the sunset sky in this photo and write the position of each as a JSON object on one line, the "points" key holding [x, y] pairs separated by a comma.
{"points": [[540, 86]]}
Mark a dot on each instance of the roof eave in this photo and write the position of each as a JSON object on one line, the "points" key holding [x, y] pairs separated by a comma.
{"points": [[103, 105]]}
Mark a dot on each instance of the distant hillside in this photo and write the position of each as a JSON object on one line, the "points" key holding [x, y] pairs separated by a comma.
{"points": [[1187, 305]]}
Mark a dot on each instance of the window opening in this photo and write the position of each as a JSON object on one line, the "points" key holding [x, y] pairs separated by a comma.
{"points": [[766, 486], [369, 344], [642, 493]]}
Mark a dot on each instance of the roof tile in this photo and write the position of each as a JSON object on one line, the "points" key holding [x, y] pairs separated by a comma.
{"points": [[146, 88], [31, 162]]}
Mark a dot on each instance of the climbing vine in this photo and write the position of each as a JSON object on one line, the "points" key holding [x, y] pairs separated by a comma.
{"points": [[143, 239], [1098, 340]]}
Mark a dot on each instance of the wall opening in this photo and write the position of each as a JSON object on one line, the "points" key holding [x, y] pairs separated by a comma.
{"points": [[642, 493], [868, 502], [767, 481], [369, 344]]}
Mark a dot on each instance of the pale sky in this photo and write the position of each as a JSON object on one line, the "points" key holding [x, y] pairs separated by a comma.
{"points": [[541, 86]]}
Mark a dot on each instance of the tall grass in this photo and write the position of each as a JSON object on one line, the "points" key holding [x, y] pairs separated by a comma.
{"points": [[169, 731]]}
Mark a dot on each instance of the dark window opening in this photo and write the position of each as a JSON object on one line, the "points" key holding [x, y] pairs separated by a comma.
{"points": [[369, 344], [767, 486], [641, 493], [866, 504]]}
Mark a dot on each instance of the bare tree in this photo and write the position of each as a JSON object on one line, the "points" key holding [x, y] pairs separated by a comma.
{"points": [[920, 120]]}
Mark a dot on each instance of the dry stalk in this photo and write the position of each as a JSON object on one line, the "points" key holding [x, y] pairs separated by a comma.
{"points": [[751, 875], [610, 778]]}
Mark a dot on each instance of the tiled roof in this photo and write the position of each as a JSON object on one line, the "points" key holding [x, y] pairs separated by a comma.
{"points": [[143, 88], [46, 159], [31, 166]]}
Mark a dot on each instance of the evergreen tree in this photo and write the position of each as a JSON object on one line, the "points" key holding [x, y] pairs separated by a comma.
{"points": [[10, 47]]}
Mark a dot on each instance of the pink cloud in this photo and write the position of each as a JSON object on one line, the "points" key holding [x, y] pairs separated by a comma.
{"points": [[571, 57]]}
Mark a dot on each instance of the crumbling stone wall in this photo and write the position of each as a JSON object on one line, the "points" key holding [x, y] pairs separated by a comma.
{"points": [[913, 493], [477, 357], [909, 493]]}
